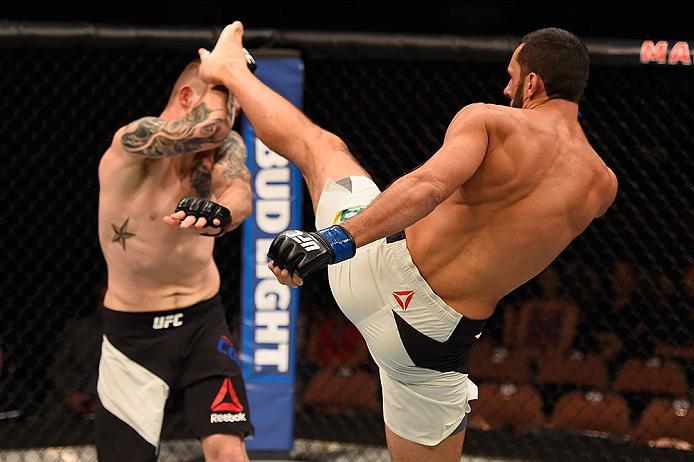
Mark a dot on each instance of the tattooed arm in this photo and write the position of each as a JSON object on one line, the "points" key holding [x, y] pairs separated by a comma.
{"points": [[231, 180], [204, 127]]}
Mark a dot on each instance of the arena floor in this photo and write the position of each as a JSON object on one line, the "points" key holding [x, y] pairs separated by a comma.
{"points": [[171, 452]]}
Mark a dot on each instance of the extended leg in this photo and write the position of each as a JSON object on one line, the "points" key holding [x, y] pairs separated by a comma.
{"points": [[319, 154]]}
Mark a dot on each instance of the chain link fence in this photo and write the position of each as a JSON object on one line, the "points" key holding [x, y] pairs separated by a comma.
{"points": [[597, 345]]}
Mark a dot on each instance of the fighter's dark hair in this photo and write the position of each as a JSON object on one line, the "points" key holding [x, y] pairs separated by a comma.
{"points": [[559, 58]]}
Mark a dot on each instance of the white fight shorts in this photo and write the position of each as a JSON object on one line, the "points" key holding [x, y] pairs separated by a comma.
{"points": [[420, 344]]}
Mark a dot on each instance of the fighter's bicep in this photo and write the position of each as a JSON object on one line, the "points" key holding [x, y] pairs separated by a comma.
{"points": [[198, 130], [463, 150], [138, 137]]}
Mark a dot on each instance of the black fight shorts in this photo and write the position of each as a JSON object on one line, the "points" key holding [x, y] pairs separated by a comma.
{"points": [[145, 356]]}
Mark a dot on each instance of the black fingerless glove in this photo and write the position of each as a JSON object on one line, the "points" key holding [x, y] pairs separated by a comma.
{"points": [[207, 209]]}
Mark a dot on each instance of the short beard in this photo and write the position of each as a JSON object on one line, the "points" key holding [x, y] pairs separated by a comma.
{"points": [[517, 100]]}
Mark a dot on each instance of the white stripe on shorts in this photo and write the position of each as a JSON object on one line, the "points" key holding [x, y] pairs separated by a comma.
{"points": [[132, 393]]}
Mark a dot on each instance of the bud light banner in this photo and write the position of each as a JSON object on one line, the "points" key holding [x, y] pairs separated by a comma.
{"points": [[270, 310]]}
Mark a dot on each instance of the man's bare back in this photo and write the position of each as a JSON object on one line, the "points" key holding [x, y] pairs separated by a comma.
{"points": [[539, 186]]}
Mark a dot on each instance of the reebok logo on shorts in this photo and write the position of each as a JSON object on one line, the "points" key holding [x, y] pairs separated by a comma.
{"points": [[218, 418], [164, 322], [403, 297], [221, 404]]}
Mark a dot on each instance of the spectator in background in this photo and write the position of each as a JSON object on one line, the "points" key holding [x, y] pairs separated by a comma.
{"points": [[660, 295], [585, 288], [686, 305], [76, 360], [625, 317], [676, 317], [547, 325], [8, 386], [625, 281], [344, 379]]}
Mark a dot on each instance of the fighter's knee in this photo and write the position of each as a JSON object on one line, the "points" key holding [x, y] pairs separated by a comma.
{"points": [[335, 144], [322, 144], [224, 448], [227, 454]]}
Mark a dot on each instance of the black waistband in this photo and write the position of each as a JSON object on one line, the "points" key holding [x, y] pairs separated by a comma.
{"points": [[399, 236], [124, 322]]}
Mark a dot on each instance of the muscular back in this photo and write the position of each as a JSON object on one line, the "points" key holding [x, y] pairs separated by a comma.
{"points": [[540, 184]]}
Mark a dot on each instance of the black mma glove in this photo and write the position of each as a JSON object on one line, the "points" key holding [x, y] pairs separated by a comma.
{"points": [[207, 209], [303, 252]]}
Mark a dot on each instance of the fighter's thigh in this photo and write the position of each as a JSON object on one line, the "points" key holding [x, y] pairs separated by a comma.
{"points": [[334, 163], [402, 450], [131, 399], [224, 448], [117, 441]]}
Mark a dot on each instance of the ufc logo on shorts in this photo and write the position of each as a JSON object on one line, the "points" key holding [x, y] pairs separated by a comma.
{"points": [[306, 241], [164, 322]]}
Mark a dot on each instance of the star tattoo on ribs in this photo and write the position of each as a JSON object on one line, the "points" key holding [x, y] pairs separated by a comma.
{"points": [[121, 233]]}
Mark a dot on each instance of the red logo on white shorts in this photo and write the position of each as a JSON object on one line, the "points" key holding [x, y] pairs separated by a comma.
{"points": [[219, 404], [403, 297]]}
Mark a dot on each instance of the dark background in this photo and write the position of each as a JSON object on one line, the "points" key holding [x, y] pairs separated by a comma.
{"points": [[647, 20], [61, 107]]}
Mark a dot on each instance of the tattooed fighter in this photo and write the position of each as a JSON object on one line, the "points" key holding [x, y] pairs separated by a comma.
{"points": [[164, 324]]}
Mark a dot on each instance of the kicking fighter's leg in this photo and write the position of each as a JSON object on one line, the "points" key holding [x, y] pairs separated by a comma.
{"points": [[402, 450], [329, 159], [319, 154]]}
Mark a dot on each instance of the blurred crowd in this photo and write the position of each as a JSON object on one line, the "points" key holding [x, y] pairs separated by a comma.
{"points": [[606, 353]]}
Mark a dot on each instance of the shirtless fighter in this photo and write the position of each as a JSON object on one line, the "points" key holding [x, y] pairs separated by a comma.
{"points": [[164, 324], [421, 266]]}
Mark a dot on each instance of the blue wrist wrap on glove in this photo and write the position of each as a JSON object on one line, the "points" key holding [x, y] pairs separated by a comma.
{"points": [[340, 241]]}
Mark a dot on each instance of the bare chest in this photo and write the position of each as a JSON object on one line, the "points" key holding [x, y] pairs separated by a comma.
{"points": [[139, 212]]}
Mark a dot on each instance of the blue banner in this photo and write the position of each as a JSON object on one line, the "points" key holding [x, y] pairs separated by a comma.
{"points": [[270, 310]]}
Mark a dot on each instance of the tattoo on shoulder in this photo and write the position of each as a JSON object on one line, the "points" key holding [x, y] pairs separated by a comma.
{"points": [[121, 234], [232, 154], [154, 137], [201, 179]]}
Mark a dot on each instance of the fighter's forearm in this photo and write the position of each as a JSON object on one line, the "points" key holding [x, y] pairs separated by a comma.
{"points": [[231, 179], [406, 201], [238, 200]]}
